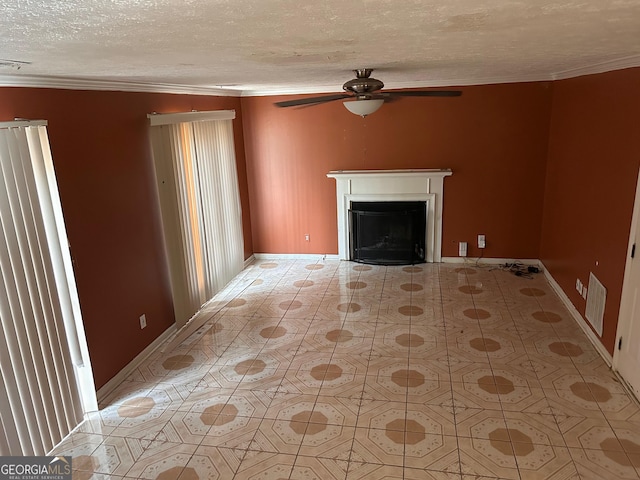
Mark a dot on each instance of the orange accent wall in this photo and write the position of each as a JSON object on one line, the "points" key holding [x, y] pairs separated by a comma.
{"points": [[561, 159], [494, 137], [101, 152], [594, 155]]}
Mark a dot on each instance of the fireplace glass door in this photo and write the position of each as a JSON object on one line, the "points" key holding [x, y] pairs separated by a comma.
{"points": [[388, 233]]}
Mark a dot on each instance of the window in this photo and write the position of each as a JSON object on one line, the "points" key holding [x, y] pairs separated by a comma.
{"points": [[47, 384], [197, 182]]}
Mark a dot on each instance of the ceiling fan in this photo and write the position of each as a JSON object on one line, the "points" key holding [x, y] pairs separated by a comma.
{"points": [[363, 95]]}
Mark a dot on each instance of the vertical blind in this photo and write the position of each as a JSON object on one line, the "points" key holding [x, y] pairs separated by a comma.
{"points": [[40, 346], [200, 203]]}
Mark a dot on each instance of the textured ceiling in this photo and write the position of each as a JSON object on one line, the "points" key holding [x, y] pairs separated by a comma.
{"points": [[264, 46]]}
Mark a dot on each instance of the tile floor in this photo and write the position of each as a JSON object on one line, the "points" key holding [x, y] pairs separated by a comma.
{"points": [[334, 370]]}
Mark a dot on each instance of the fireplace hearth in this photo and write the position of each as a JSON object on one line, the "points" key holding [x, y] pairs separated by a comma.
{"points": [[388, 233]]}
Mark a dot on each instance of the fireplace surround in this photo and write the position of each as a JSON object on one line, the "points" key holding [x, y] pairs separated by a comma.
{"points": [[424, 185]]}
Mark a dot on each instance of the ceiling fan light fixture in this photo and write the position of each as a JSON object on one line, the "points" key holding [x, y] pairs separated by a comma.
{"points": [[363, 107]]}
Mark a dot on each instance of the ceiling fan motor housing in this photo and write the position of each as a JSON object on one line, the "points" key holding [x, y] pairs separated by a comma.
{"points": [[363, 85]]}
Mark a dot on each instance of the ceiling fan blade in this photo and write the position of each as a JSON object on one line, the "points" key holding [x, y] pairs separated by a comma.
{"points": [[425, 93], [311, 100]]}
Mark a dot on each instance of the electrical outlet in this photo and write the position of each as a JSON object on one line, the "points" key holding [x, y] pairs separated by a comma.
{"points": [[143, 321], [579, 286], [462, 249], [481, 241], [306, 237]]}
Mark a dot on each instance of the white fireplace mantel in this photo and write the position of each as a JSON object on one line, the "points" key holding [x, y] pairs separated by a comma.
{"points": [[425, 185]]}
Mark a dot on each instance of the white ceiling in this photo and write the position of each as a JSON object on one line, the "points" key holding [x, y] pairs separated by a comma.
{"points": [[288, 46]]}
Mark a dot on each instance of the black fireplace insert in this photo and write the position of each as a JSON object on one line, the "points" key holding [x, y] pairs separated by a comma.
{"points": [[388, 233]]}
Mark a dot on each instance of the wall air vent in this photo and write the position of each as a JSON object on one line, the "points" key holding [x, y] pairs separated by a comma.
{"points": [[596, 298]]}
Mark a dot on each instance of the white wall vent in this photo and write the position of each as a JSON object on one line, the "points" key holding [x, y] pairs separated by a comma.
{"points": [[596, 298]]}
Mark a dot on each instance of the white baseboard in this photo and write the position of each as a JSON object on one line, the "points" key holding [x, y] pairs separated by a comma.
{"points": [[604, 353], [249, 261], [490, 261], [295, 256], [121, 376], [469, 260]]}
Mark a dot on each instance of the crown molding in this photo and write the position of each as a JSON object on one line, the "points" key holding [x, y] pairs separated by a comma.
{"points": [[38, 81], [602, 67], [448, 83]]}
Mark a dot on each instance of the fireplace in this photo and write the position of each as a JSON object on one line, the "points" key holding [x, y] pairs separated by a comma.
{"points": [[424, 185], [388, 233]]}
